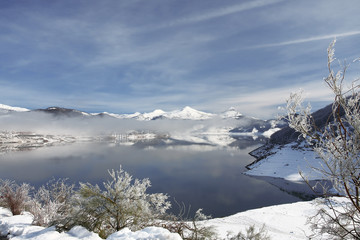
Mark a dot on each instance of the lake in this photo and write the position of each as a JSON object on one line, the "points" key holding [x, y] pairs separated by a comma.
{"points": [[200, 176]]}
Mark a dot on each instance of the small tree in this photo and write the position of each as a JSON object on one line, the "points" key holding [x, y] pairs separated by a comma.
{"points": [[14, 196], [122, 203], [338, 145], [51, 203]]}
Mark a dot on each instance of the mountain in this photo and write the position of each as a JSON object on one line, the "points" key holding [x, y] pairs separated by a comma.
{"points": [[187, 113], [321, 117], [288, 135], [231, 113], [63, 112], [245, 124]]}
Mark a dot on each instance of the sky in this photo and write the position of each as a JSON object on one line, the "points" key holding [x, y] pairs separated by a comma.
{"points": [[124, 56]]}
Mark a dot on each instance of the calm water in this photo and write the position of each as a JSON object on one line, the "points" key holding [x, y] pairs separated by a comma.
{"points": [[201, 176]]}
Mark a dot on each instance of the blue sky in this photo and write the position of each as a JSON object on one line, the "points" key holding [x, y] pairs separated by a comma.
{"points": [[139, 55]]}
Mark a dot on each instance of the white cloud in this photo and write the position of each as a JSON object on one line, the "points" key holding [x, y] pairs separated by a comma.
{"points": [[264, 103]]}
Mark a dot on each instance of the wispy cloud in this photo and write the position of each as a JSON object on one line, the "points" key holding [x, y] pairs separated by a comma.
{"points": [[267, 101], [305, 40], [221, 12]]}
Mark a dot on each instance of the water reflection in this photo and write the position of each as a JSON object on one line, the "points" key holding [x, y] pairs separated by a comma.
{"points": [[203, 176]]}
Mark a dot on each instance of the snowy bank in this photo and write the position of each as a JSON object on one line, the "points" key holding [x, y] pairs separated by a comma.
{"points": [[285, 161]]}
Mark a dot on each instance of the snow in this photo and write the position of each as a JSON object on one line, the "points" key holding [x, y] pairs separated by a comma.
{"points": [[7, 108], [152, 115], [270, 132], [231, 113], [150, 233], [286, 221], [187, 113], [287, 162], [19, 227]]}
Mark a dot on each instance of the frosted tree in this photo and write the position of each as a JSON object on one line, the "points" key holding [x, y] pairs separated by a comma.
{"points": [[123, 202], [51, 203], [338, 146]]}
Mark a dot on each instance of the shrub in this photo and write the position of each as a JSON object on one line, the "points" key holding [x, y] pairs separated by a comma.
{"points": [[189, 228], [122, 203], [14, 196], [51, 203], [251, 233]]}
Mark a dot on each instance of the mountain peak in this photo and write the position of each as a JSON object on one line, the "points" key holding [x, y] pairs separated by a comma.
{"points": [[187, 108], [231, 113], [189, 113]]}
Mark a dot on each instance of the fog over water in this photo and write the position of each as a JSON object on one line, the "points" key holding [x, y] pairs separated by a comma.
{"points": [[44, 123], [197, 163]]}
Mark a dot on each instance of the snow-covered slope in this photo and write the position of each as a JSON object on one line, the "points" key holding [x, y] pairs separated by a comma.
{"points": [[6, 108]]}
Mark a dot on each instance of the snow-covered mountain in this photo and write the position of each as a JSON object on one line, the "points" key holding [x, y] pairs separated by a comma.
{"points": [[185, 126], [187, 113], [231, 113]]}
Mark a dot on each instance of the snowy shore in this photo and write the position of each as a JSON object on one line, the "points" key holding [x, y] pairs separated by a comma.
{"points": [[286, 162]]}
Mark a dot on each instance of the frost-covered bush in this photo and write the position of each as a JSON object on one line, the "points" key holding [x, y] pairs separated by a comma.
{"points": [[14, 196], [123, 202], [251, 233], [51, 203], [189, 228], [338, 146]]}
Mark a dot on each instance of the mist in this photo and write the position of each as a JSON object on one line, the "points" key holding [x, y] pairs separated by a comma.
{"points": [[44, 123]]}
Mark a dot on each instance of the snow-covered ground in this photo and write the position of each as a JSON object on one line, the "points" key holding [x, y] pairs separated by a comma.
{"points": [[287, 221], [19, 227], [286, 162]]}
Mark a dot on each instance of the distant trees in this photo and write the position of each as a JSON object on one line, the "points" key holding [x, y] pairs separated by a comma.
{"points": [[338, 146]]}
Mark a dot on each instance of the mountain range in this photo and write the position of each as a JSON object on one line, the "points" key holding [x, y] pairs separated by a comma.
{"points": [[55, 125], [187, 113]]}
